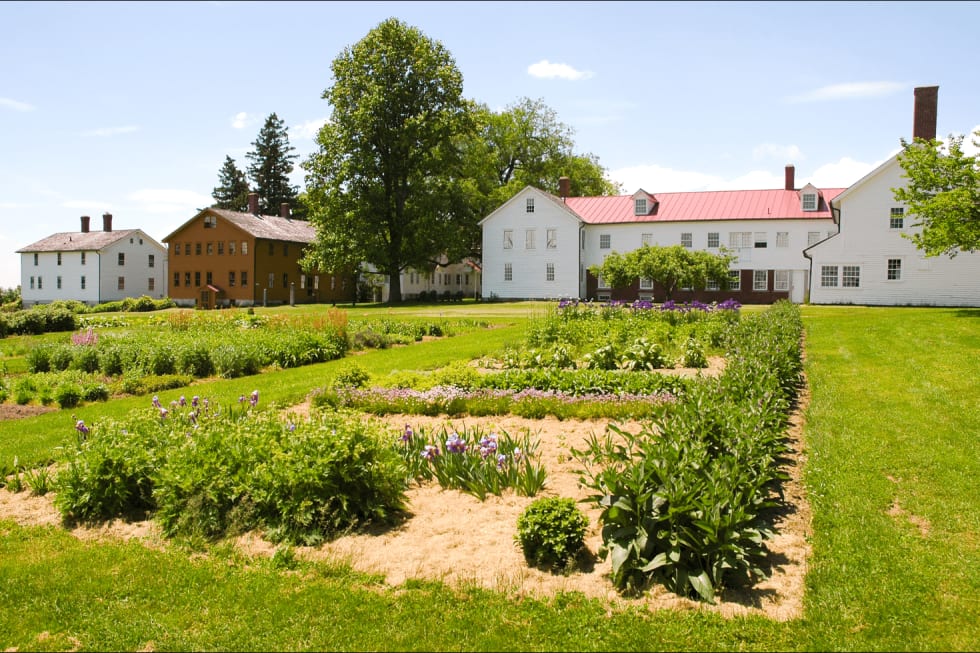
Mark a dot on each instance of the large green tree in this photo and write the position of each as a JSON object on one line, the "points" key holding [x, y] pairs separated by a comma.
{"points": [[942, 195], [232, 190], [671, 267], [384, 185], [270, 165]]}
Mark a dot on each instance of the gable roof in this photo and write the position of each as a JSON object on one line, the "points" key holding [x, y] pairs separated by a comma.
{"points": [[269, 227], [704, 205], [537, 191], [78, 241]]}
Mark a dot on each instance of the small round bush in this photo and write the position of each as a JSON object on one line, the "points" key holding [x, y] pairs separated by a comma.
{"points": [[68, 395], [551, 531]]}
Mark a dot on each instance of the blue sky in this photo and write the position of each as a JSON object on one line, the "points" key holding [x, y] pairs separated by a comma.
{"points": [[131, 107]]}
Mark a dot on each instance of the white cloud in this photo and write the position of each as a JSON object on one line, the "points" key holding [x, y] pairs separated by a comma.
{"points": [[842, 173], [308, 129], [166, 200], [111, 131], [657, 179], [15, 105], [241, 120], [544, 69], [849, 91], [788, 153]]}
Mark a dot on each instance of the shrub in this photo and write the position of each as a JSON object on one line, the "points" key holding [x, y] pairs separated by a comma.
{"points": [[352, 376], [551, 531], [68, 395], [86, 359], [195, 359], [61, 357], [39, 359]]}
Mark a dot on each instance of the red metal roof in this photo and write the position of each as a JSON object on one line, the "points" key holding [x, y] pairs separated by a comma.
{"points": [[707, 205]]}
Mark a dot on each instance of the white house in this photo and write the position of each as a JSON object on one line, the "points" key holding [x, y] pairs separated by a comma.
{"points": [[539, 246], [93, 266], [871, 260]]}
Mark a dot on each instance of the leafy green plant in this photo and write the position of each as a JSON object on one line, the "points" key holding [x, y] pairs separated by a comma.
{"points": [[603, 358], [551, 531], [693, 355], [39, 480], [643, 355], [68, 395]]}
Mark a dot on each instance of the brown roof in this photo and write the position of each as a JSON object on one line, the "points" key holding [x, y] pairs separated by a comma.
{"points": [[77, 241], [269, 227]]}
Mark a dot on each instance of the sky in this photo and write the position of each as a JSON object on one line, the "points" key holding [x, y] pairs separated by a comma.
{"points": [[130, 108]]}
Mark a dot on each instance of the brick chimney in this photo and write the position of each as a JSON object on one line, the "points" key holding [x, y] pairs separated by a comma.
{"points": [[85, 221], [284, 210], [106, 222], [564, 187], [253, 203], [925, 113], [790, 177]]}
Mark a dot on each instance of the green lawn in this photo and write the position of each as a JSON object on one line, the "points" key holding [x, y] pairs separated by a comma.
{"points": [[891, 473]]}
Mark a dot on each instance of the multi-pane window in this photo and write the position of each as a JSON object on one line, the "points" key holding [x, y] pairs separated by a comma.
{"points": [[828, 276], [272, 248], [529, 239], [210, 222], [210, 249], [231, 279], [809, 201], [897, 220], [197, 249], [646, 239], [272, 280], [714, 239], [780, 280], [197, 279], [35, 258], [529, 205], [187, 279], [244, 247], [739, 239], [285, 280], [812, 237], [244, 278], [151, 260], [782, 239], [640, 206], [83, 282], [209, 278], [57, 282], [231, 247], [549, 271], [851, 276], [176, 249], [122, 258], [552, 238], [59, 259], [40, 283], [735, 280], [121, 283], [151, 284], [508, 238], [713, 285], [761, 240], [894, 269], [176, 279], [83, 258], [605, 241], [508, 272], [760, 280], [285, 249], [687, 239], [221, 248], [646, 284]]}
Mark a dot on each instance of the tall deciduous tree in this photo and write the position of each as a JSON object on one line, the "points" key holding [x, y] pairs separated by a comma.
{"points": [[670, 267], [271, 162], [385, 184], [942, 195], [232, 190]]}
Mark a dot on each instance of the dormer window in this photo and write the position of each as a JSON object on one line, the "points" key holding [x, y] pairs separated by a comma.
{"points": [[640, 206], [809, 201]]}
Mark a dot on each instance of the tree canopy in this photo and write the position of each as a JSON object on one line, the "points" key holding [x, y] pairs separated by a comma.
{"points": [[383, 184], [232, 190], [271, 162], [942, 195], [670, 267]]}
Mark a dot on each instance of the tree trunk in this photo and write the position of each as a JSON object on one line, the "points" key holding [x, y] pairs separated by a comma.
{"points": [[394, 288]]}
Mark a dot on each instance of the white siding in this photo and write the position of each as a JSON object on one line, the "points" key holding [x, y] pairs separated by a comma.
{"points": [[867, 240], [136, 271], [71, 271]]}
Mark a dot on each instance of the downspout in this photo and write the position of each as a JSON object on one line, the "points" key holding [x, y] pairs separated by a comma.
{"points": [[99, 281]]}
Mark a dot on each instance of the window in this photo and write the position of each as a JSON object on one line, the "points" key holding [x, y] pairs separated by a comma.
{"points": [[646, 239], [302, 281], [467, 279], [83, 258], [529, 206], [83, 282], [122, 258], [285, 280], [35, 258], [851, 276], [739, 239], [285, 249], [646, 284], [59, 261], [197, 279], [151, 284], [713, 285], [231, 248], [760, 280], [640, 206], [208, 278], [552, 238], [210, 222], [151, 260], [459, 279], [894, 269], [605, 241], [221, 248], [187, 279], [735, 280], [761, 240], [508, 238], [176, 279], [828, 276], [210, 249], [32, 283], [121, 283], [231, 279], [809, 201], [713, 239], [187, 249], [687, 239], [549, 271], [176, 249], [780, 280], [897, 218], [244, 248], [244, 278], [272, 280], [197, 248], [272, 249], [57, 282], [782, 239], [508, 272], [529, 239], [812, 237]]}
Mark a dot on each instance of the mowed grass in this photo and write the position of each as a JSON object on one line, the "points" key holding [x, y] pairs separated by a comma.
{"points": [[891, 473]]}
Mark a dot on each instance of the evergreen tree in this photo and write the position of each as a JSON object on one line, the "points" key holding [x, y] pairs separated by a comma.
{"points": [[271, 163], [232, 190]]}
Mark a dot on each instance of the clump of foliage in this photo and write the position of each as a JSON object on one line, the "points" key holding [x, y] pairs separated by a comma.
{"points": [[551, 531]]}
